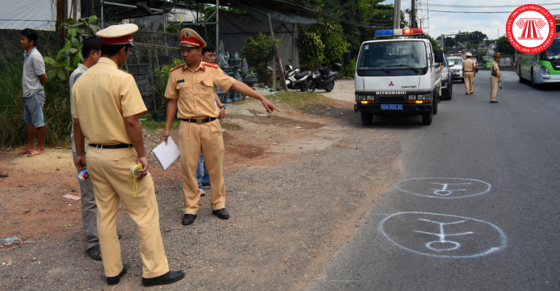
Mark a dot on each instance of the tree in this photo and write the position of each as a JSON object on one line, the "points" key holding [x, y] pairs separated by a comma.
{"points": [[504, 47], [435, 44]]}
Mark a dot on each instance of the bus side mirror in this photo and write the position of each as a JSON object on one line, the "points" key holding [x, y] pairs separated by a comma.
{"points": [[347, 58], [439, 56]]}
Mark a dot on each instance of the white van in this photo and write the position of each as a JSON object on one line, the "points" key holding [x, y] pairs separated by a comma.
{"points": [[398, 76]]}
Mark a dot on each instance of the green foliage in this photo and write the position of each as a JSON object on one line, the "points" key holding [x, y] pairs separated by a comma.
{"points": [[259, 54], [322, 44], [162, 76], [70, 55], [474, 37], [504, 47], [435, 44], [311, 48], [349, 70]]}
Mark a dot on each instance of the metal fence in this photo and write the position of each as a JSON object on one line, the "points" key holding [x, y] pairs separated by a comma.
{"points": [[152, 50]]}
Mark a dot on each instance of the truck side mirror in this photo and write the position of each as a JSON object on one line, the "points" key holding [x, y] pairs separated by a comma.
{"points": [[347, 58], [439, 56]]}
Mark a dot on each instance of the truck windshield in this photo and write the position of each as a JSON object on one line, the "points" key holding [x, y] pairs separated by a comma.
{"points": [[391, 55]]}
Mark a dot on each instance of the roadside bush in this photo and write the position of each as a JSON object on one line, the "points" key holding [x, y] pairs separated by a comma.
{"points": [[161, 78], [260, 54]]}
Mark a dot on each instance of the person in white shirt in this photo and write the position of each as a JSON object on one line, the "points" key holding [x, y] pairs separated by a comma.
{"points": [[91, 52]]}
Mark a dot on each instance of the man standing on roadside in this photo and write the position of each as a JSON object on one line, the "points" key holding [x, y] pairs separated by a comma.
{"points": [[469, 74], [107, 104], [33, 81], [494, 78], [91, 51], [191, 89]]}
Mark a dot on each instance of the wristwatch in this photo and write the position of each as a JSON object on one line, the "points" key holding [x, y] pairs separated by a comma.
{"points": [[222, 107]]}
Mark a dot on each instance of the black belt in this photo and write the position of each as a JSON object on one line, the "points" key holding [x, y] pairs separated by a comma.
{"points": [[468, 71], [199, 120], [111, 146], [495, 75]]}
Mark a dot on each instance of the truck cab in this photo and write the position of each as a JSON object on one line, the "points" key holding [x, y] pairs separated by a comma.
{"points": [[397, 74]]}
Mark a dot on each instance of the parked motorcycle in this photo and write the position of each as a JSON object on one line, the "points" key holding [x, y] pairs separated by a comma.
{"points": [[296, 79], [323, 78]]}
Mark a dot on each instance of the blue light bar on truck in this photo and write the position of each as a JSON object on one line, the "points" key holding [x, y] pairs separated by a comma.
{"points": [[398, 32]]}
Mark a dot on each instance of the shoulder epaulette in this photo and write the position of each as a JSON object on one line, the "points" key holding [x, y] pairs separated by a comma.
{"points": [[211, 65], [175, 68]]}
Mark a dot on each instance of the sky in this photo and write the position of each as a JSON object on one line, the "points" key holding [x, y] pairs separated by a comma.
{"points": [[491, 24]]}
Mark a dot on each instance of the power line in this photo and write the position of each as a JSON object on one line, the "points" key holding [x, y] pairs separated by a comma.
{"points": [[486, 12], [481, 6]]}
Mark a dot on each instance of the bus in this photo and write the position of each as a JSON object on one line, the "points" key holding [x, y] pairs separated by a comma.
{"points": [[543, 67]]}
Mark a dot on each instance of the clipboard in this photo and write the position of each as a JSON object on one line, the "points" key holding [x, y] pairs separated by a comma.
{"points": [[166, 154]]}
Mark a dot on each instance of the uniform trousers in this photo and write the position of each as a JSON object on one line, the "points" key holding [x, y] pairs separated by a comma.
{"points": [[89, 211], [112, 182], [206, 137], [469, 82], [494, 87]]}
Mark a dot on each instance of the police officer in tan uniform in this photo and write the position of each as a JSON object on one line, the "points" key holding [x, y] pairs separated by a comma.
{"points": [[190, 88], [469, 74], [495, 78], [106, 106]]}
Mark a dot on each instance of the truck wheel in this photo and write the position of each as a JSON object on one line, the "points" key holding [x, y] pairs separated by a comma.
{"points": [[427, 118], [367, 118], [449, 93]]}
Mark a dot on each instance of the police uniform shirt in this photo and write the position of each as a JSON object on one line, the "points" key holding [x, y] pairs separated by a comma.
{"points": [[101, 108], [495, 69], [468, 66], [195, 90]]}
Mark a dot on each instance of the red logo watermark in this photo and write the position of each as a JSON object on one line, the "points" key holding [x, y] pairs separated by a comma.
{"points": [[530, 29]]}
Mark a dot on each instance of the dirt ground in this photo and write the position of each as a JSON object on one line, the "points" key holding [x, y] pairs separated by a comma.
{"points": [[297, 184]]}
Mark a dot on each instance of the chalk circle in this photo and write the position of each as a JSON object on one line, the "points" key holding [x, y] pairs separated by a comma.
{"points": [[444, 188], [442, 235]]}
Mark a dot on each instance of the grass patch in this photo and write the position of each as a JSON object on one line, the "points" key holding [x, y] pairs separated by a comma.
{"points": [[230, 125], [304, 102], [149, 123]]}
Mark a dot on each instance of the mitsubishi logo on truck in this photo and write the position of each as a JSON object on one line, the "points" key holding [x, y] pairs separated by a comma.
{"points": [[391, 84]]}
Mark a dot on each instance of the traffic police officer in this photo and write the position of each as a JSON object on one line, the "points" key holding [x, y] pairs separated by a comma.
{"points": [[106, 107], [495, 78], [469, 73], [190, 88]]}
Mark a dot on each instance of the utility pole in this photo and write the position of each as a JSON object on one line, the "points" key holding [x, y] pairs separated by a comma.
{"points": [[397, 15], [413, 14]]}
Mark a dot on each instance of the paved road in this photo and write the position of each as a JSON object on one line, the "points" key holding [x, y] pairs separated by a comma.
{"points": [[477, 206]]}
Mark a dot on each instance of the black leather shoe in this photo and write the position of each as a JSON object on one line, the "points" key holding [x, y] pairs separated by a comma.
{"points": [[493, 101], [115, 280], [221, 213], [188, 219], [167, 278]]}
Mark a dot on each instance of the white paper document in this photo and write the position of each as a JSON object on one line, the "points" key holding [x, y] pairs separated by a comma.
{"points": [[166, 154]]}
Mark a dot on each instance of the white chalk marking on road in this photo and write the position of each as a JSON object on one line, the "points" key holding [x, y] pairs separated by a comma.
{"points": [[443, 247], [456, 188]]}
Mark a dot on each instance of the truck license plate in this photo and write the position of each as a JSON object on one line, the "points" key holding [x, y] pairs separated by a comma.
{"points": [[391, 106]]}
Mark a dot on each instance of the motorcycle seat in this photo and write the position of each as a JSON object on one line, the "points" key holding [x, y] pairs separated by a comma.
{"points": [[302, 74], [331, 74]]}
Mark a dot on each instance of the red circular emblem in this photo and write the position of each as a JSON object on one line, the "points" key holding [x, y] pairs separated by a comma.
{"points": [[530, 29]]}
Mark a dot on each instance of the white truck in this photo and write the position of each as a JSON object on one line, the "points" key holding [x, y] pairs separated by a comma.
{"points": [[397, 74]]}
